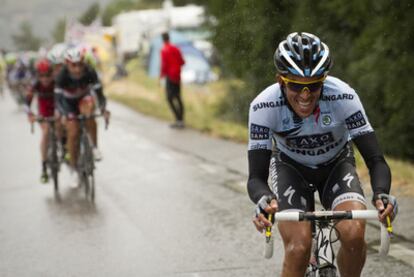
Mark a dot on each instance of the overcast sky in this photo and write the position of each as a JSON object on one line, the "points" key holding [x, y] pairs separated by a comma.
{"points": [[42, 14]]}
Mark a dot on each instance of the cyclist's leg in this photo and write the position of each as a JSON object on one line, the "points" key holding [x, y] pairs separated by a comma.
{"points": [[43, 145], [343, 192], [72, 131], [87, 107], [292, 194], [72, 128]]}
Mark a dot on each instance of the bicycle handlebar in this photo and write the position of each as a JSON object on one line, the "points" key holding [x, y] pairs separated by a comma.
{"points": [[326, 215], [41, 119], [297, 216], [86, 117]]}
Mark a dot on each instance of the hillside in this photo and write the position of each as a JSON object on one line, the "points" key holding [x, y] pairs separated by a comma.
{"points": [[42, 14]]}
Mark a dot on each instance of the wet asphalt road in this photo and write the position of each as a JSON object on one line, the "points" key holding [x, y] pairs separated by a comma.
{"points": [[167, 204]]}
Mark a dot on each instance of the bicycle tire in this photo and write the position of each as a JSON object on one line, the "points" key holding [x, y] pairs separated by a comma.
{"points": [[55, 167], [88, 167], [329, 271], [53, 159]]}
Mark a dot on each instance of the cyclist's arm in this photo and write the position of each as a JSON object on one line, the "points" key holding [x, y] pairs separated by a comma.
{"points": [[28, 100], [98, 90], [257, 186], [379, 170], [259, 148], [60, 101]]}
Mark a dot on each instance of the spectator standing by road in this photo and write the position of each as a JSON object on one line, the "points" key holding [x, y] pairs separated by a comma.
{"points": [[171, 63]]}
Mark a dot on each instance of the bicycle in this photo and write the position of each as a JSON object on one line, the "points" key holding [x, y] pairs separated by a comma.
{"points": [[322, 262], [52, 160], [86, 162]]}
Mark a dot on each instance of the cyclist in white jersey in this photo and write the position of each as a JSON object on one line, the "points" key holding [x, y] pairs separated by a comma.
{"points": [[309, 120]]}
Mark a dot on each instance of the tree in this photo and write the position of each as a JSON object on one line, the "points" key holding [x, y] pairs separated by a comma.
{"points": [[90, 14], [118, 6], [58, 33], [371, 43], [245, 36], [114, 8], [25, 39]]}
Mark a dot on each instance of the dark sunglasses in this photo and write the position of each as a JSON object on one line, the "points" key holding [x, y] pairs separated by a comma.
{"points": [[78, 64], [298, 86]]}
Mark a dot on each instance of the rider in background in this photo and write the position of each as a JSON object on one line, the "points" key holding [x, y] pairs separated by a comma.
{"points": [[43, 89], [20, 74], [313, 119], [2, 72], [56, 56], [77, 90], [10, 58]]}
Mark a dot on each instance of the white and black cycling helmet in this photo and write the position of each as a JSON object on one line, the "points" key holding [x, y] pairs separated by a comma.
{"points": [[302, 54], [56, 55], [74, 55]]}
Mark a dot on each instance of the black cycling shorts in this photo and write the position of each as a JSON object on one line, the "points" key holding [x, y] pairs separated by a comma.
{"points": [[294, 184], [72, 105]]}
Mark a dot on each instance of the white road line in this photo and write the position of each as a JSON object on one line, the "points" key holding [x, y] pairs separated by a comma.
{"points": [[209, 168], [401, 253]]}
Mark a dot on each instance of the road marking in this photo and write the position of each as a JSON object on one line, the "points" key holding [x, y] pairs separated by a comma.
{"points": [[209, 168], [400, 252]]}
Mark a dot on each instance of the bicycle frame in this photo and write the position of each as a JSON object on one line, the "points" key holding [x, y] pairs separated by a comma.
{"points": [[52, 157], [86, 163]]}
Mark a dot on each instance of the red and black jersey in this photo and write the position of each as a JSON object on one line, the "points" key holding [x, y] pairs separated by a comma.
{"points": [[45, 98], [69, 90]]}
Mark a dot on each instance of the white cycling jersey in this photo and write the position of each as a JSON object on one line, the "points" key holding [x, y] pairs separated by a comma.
{"points": [[316, 139]]}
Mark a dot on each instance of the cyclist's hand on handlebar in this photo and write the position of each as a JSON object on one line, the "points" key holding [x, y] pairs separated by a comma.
{"points": [[266, 205], [31, 117], [106, 114], [387, 206]]}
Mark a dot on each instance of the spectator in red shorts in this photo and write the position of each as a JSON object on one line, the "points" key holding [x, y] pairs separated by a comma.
{"points": [[43, 89]]}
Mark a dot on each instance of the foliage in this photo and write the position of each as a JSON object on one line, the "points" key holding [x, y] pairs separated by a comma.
{"points": [[117, 6], [25, 39], [371, 42], [58, 32], [90, 14]]}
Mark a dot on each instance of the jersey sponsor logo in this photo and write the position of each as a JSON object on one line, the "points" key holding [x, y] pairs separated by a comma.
{"points": [[258, 146], [326, 120], [258, 132], [289, 194], [343, 96], [348, 179], [355, 121], [311, 141], [270, 104], [348, 196], [316, 152]]}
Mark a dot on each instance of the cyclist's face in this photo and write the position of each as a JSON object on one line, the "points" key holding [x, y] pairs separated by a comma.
{"points": [[303, 98], [56, 69], [45, 79], [76, 69]]}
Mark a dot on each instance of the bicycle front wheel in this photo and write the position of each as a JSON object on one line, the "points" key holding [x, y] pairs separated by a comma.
{"points": [[328, 271], [89, 185]]}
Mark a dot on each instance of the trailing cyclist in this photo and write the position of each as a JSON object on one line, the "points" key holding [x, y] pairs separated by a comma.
{"points": [[77, 89], [313, 118], [2, 72], [56, 56], [43, 89], [19, 79]]}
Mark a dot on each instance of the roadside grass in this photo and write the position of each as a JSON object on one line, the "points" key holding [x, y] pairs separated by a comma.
{"points": [[145, 95]]}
